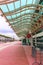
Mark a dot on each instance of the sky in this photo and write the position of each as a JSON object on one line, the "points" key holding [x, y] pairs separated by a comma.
{"points": [[5, 29]]}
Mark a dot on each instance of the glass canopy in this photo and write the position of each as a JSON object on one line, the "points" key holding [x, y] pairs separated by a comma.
{"points": [[19, 12]]}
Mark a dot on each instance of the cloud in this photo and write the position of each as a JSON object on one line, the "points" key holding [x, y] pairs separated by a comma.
{"points": [[5, 29]]}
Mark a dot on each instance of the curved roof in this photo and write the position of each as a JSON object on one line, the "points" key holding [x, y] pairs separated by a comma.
{"points": [[21, 14], [6, 1]]}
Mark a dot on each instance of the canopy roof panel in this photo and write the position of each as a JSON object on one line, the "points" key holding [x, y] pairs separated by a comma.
{"points": [[6, 1], [21, 14]]}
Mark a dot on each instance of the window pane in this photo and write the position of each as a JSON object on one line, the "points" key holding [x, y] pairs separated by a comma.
{"points": [[13, 16], [18, 14], [35, 2], [42, 3], [4, 8], [8, 17], [23, 12], [23, 2], [28, 11], [29, 1], [17, 4], [11, 6], [32, 11]]}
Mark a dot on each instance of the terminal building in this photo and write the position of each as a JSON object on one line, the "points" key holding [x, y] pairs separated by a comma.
{"points": [[21, 32], [4, 38]]}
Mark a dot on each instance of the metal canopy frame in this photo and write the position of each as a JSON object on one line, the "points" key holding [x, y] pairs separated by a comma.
{"points": [[22, 17]]}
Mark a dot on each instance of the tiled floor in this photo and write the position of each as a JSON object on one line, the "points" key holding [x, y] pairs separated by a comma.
{"points": [[16, 54]]}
